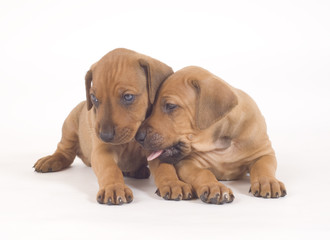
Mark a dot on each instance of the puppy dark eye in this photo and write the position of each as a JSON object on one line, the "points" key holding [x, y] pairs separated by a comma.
{"points": [[95, 101], [170, 107], [128, 98]]}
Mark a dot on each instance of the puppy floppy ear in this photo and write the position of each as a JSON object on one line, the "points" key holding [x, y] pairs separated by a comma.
{"points": [[88, 82], [156, 72], [214, 100]]}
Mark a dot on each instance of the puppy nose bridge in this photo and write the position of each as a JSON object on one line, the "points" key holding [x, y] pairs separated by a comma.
{"points": [[106, 117], [149, 130], [107, 130]]}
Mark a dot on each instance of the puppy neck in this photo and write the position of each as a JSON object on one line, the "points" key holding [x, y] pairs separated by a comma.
{"points": [[220, 135]]}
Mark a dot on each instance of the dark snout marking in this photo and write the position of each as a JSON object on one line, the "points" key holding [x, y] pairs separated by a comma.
{"points": [[148, 138], [107, 136], [141, 135]]}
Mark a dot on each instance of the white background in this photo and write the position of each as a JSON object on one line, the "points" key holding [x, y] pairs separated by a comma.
{"points": [[277, 51]]}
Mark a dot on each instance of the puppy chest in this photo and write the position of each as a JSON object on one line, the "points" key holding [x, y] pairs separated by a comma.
{"points": [[228, 172]]}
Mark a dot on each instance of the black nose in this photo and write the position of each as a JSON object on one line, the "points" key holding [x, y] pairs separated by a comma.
{"points": [[107, 136], [141, 135]]}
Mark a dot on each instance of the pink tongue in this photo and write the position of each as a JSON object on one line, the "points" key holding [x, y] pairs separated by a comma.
{"points": [[154, 155]]}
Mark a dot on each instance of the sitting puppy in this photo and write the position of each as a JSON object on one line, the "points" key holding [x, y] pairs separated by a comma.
{"points": [[209, 131], [100, 131]]}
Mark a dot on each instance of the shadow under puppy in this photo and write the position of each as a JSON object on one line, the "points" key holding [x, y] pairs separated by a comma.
{"points": [[202, 130], [101, 130]]}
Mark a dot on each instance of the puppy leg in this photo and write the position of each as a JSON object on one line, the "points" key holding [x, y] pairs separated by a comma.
{"points": [[168, 184], [67, 147], [205, 184], [113, 190], [263, 181]]}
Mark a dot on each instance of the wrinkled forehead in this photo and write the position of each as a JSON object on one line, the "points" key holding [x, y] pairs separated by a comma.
{"points": [[119, 71], [177, 88]]}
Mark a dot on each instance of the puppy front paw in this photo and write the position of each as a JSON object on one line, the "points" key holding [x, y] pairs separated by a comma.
{"points": [[175, 190], [267, 187], [215, 193], [115, 194], [52, 163]]}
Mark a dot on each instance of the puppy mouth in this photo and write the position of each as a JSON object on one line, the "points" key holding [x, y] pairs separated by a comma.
{"points": [[172, 154]]}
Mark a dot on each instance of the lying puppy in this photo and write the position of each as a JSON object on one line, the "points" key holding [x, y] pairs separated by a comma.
{"points": [[100, 131], [209, 131]]}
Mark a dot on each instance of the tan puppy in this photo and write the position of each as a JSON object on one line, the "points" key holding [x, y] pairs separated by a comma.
{"points": [[101, 130], [209, 131]]}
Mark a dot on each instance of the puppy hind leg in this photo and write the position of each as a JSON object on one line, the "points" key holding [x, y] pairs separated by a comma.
{"points": [[66, 149]]}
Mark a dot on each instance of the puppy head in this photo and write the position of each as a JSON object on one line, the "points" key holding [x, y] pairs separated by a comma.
{"points": [[120, 89], [188, 103]]}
